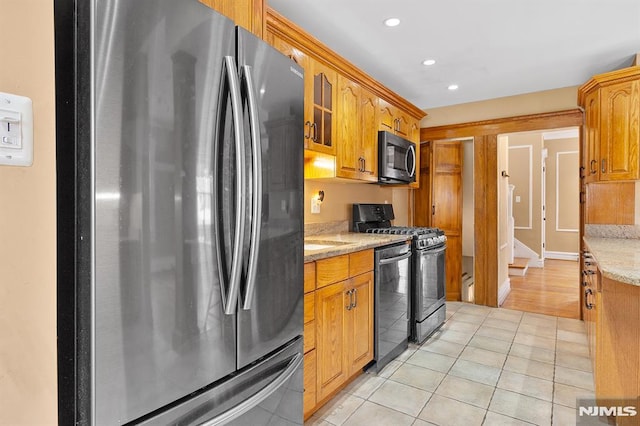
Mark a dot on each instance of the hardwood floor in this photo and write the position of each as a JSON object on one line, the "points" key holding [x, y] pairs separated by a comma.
{"points": [[552, 290]]}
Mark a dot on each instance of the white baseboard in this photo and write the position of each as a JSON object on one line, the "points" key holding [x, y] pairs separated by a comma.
{"points": [[503, 291], [561, 255]]}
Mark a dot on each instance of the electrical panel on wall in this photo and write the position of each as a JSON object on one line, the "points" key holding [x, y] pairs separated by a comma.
{"points": [[16, 130]]}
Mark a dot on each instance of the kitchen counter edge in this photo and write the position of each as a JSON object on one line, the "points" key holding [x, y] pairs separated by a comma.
{"points": [[618, 258], [351, 242]]}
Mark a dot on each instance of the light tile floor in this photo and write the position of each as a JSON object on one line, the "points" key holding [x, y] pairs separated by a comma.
{"points": [[485, 366]]}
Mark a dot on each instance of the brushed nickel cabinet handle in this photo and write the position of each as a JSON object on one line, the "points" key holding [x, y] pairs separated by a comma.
{"points": [[604, 165]]}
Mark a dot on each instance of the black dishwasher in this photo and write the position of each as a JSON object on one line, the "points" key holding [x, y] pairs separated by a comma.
{"points": [[391, 302]]}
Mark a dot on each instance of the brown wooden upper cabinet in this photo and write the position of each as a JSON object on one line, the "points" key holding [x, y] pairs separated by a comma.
{"points": [[320, 131], [246, 13], [357, 132], [612, 126]]}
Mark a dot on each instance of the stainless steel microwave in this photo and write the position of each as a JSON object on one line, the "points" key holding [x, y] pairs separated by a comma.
{"points": [[396, 159]]}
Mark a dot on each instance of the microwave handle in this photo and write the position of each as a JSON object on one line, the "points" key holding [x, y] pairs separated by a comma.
{"points": [[411, 150]]}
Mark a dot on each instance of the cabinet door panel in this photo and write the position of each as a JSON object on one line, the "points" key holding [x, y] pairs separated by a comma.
{"points": [[309, 381], [360, 324], [620, 126], [331, 315], [349, 158], [592, 137], [369, 138]]}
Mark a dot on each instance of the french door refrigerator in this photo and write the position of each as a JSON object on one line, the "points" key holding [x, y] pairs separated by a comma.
{"points": [[180, 218]]}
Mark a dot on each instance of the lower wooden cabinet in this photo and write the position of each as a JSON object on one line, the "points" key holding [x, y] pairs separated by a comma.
{"points": [[338, 333]]}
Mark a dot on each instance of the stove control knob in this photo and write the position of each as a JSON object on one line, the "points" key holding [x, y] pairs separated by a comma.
{"points": [[430, 241], [443, 238]]}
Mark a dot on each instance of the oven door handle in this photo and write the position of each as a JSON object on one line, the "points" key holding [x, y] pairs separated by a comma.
{"points": [[432, 251], [395, 259]]}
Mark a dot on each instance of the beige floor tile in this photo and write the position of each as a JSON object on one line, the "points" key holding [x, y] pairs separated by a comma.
{"points": [[526, 385], [449, 412], [572, 348], [569, 324], [465, 391], [475, 310], [496, 333], [432, 361], [531, 318], [536, 341], [577, 378], [400, 397], [338, 410], [538, 330], [419, 422], [506, 314], [573, 337], [442, 347], [529, 367], [317, 421], [495, 419], [390, 368], [459, 337], [454, 306], [576, 362], [563, 416], [483, 356], [406, 354], [365, 385], [566, 395], [477, 372], [490, 344], [521, 407], [529, 352], [370, 413], [419, 377], [464, 317], [500, 323], [465, 327]]}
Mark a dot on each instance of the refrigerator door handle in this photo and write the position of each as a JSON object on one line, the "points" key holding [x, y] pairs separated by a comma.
{"points": [[230, 299], [256, 156], [258, 397]]}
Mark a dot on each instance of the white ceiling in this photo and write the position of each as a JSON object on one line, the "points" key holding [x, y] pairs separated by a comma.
{"points": [[490, 48]]}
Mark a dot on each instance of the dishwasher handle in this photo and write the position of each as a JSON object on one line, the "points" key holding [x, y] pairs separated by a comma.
{"points": [[395, 259]]}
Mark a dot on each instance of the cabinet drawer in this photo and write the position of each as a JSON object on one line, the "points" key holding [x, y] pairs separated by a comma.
{"points": [[309, 277], [332, 270], [309, 336], [360, 262], [309, 307], [309, 380]]}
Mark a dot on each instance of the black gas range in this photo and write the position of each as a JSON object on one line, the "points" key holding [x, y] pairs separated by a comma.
{"points": [[427, 295]]}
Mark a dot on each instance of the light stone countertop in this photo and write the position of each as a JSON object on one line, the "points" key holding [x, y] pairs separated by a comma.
{"points": [[350, 242], [618, 258]]}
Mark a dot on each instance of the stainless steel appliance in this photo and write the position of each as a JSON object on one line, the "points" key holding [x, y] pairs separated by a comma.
{"points": [[180, 218], [391, 302], [428, 309], [396, 159]]}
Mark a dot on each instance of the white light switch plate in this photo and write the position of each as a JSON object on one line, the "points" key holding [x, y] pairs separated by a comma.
{"points": [[315, 205], [16, 130]]}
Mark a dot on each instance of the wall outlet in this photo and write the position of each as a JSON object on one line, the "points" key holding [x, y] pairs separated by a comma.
{"points": [[315, 205]]}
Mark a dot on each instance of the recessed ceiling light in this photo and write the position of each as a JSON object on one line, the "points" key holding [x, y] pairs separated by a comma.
{"points": [[453, 87], [392, 22], [428, 62]]}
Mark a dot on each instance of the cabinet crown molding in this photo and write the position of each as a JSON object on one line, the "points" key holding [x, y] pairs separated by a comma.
{"points": [[296, 36], [602, 80]]}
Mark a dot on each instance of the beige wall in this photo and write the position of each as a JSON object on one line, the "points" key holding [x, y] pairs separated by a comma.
{"points": [[510, 106], [520, 172], [340, 196], [562, 153], [27, 235]]}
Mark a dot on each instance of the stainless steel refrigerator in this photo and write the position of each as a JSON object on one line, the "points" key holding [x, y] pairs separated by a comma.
{"points": [[180, 218]]}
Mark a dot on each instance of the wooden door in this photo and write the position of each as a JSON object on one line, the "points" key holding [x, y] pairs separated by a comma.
{"points": [[592, 136], [349, 160], [620, 131], [359, 329], [331, 317], [446, 208], [369, 135], [422, 197]]}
